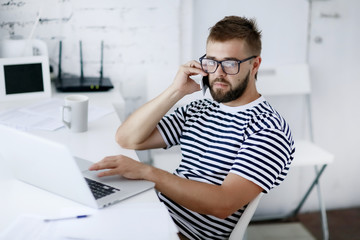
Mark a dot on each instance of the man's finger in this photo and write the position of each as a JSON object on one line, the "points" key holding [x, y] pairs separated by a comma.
{"points": [[106, 163], [107, 173]]}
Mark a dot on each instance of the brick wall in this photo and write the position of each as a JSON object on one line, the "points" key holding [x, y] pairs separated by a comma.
{"points": [[138, 35]]}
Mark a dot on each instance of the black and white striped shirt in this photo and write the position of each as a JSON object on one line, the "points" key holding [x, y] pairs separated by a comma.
{"points": [[252, 141]]}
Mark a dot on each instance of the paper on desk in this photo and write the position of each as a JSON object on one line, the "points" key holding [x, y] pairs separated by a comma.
{"points": [[29, 227], [28, 121], [128, 221], [45, 115]]}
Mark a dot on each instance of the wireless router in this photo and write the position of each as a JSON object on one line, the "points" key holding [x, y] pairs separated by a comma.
{"points": [[72, 83]]}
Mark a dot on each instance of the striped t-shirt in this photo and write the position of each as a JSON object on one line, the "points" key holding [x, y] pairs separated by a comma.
{"points": [[252, 141]]}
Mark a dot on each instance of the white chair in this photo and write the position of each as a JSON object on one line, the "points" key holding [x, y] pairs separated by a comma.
{"points": [[295, 80], [240, 229]]}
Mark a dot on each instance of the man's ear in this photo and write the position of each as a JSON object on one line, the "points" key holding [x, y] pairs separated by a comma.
{"points": [[256, 66]]}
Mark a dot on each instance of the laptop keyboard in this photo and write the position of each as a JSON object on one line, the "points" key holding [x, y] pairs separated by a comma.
{"points": [[100, 190]]}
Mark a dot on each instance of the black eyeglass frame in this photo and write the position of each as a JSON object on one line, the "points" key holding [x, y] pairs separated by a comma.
{"points": [[220, 63]]}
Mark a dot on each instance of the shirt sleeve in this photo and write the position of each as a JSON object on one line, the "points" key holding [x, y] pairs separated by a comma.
{"points": [[264, 158], [170, 127]]}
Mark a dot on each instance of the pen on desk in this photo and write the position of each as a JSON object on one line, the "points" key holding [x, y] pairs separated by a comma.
{"points": [[66, 218]]}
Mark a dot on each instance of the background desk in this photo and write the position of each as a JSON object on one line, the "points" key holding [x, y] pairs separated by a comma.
{"points": [[19, 198]]}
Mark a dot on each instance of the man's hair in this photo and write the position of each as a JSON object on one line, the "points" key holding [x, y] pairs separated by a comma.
{"points": [[234, 27]]}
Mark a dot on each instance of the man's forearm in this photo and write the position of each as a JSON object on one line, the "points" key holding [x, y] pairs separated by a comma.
{"points": [[142, 123], [196, 196], [220, 201], [139, 130]]}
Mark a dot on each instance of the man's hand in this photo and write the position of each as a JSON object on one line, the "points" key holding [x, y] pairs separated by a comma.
{"points": [[121, 165], [183, 82]]}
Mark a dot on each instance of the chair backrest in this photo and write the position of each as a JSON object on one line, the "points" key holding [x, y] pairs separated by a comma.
{"points": [[288, 87], [240, 228], [284, 80]]}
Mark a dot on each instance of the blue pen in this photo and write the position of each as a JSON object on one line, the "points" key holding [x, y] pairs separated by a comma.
{"points": [[66, 218]]}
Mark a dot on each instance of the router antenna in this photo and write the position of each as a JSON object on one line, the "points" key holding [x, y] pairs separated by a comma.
{"points": [[60, 52], [81, 64], [101, 61]]}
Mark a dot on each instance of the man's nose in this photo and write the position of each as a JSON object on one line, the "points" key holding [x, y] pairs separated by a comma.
{"points": [[219, 72]]}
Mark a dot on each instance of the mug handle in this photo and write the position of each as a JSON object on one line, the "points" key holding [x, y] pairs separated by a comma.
{"points": [[68, 124]]}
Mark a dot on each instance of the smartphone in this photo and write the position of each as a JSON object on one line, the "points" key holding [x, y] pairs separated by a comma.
{"points": [[203, 81], [204, 84]]}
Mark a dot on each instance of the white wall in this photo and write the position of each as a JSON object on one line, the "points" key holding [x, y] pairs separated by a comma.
{"points": [[145, 41], [283, 24], [334, 58]]}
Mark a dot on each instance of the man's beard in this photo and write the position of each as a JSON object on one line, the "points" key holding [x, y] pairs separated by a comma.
{"points": [[231, 95]]}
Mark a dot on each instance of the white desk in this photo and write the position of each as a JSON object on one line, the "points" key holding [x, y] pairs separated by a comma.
{"points": [[19, 198]]}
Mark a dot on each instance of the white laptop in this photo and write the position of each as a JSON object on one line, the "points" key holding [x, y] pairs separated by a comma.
{"points": [[50, 166]]}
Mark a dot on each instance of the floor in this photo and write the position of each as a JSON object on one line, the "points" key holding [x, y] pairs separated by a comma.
{"points": [[343, 224], [278, 231]]}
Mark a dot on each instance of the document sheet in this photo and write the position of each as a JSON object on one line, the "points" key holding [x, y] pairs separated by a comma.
{"points": [[149, 221], [45, 115]]}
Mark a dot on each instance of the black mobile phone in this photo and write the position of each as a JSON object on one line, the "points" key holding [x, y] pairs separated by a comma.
{"points": [[205, 81], [205, 84]]}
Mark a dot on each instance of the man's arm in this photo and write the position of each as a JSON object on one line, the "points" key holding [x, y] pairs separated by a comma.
{"points": [[139, 130], [220, 201]]}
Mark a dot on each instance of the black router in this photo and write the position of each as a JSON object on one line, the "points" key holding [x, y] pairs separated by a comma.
{"points": [[72, 83]]}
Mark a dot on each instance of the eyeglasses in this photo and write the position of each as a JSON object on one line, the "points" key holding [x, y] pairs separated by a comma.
{"points": [[230, 67]]}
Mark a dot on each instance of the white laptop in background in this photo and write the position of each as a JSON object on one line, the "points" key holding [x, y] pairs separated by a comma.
{"points": [[50, 166]]}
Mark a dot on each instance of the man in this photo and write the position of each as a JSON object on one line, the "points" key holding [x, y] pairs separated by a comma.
{"points": [[233, 147]]}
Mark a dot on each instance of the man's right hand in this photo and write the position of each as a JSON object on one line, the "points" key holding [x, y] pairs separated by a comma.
{"points": [[183, 83]]}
